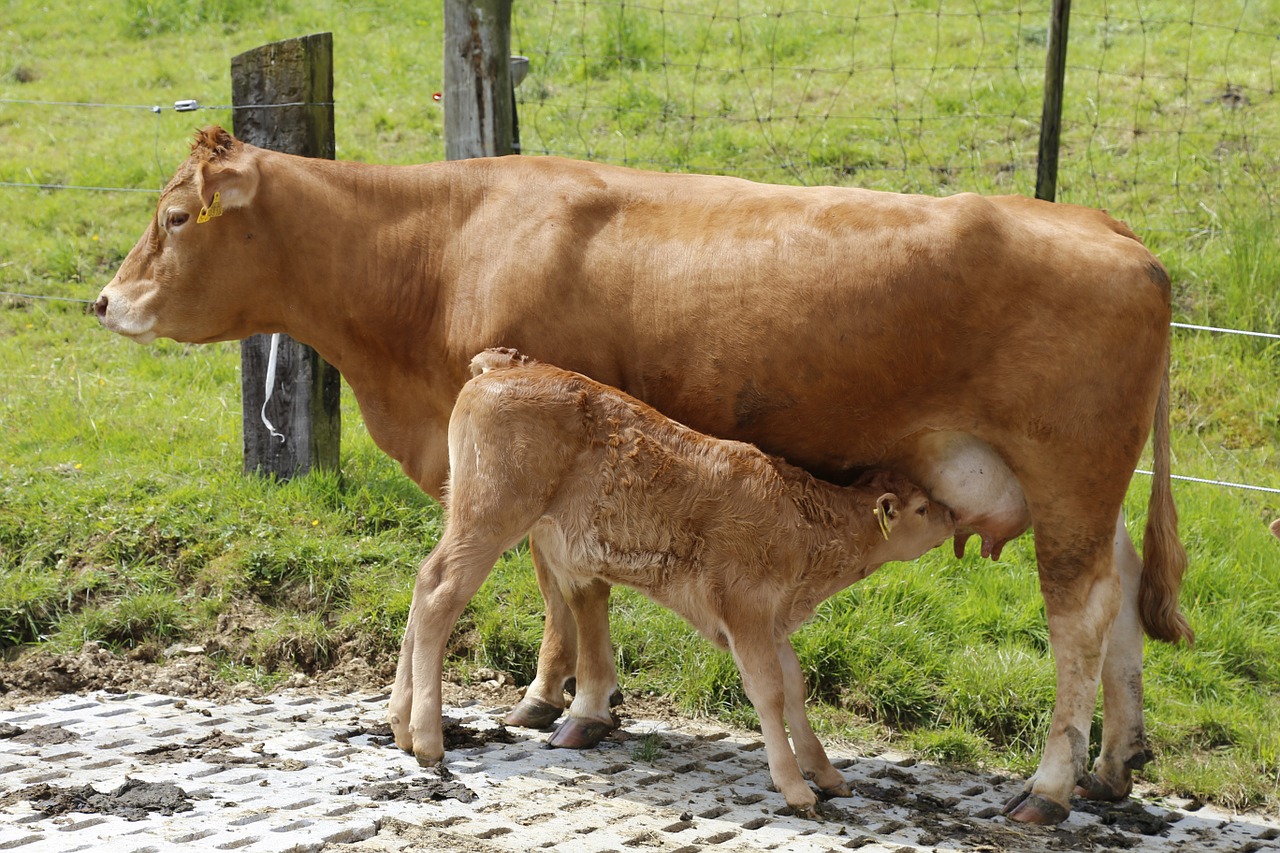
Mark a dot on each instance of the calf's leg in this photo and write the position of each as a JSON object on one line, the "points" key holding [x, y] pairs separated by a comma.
{"points": [[446, 582], [808, 749], [756, 653], [1124, 745]]}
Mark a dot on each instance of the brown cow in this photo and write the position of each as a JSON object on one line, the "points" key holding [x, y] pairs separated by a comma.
{"points": [[741, 544], [1009, 355], [1275, 528]]}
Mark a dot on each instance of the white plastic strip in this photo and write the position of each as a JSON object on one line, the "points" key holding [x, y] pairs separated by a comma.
{"points": [[271, 383]]}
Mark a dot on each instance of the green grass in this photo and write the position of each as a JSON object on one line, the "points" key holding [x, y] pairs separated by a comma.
{"points": [[124, 517]]}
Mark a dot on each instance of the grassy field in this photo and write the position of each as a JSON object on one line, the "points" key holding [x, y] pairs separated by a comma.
{"points": [[123, 514]]}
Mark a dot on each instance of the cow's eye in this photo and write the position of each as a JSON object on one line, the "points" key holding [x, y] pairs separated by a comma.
{"points": [[923, 510], [175, 218]]}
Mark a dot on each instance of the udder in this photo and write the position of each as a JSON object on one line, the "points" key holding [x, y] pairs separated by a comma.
{"points": [[966, 474]]}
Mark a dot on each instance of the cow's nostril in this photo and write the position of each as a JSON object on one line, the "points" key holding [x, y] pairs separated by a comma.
{"points": [[100, 307]]}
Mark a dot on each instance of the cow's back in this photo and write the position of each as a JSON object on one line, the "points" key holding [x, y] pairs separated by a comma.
{"points": [[823, 324]]}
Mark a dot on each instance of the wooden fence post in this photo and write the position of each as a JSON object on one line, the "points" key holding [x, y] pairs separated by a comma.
{"points": [[478, 97], [1055, 72], [283, 99]]}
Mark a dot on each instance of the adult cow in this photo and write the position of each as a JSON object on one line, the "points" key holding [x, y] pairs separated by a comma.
{"points": [[1011, 355]]}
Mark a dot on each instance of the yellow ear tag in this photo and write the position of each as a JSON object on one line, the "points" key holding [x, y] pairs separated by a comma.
{"points": [[213, 209], [884, 522]]}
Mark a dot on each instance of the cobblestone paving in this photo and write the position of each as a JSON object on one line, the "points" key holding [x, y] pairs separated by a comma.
{"points": [[294, 772]]}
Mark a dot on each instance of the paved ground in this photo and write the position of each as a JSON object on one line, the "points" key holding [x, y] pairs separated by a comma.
{"points": [[293, 772]]}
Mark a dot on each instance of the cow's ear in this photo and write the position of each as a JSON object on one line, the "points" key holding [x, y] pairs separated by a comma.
{"points": [[888, 508], [234, 184]]}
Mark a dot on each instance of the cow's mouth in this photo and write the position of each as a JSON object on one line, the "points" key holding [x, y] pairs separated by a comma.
{"points": [[111, 320]]}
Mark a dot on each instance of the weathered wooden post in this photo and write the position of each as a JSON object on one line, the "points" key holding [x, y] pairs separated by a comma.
{"points": [[283, 99], [478, 97], [1055, 72]]}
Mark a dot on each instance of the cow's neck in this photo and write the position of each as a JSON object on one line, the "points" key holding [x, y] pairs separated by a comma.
{"points": [[368, 299]]}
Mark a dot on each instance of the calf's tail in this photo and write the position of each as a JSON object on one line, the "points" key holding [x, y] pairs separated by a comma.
{"points": [[1164, 560]]}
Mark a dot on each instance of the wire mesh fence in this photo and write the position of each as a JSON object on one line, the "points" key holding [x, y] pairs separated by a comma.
{"points": [[1169, 116]]}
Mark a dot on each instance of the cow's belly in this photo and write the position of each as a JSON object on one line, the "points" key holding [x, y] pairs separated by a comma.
{"points": [[966, 474]]}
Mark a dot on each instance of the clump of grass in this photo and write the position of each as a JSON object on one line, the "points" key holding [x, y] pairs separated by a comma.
{"points": [[649, 748]]}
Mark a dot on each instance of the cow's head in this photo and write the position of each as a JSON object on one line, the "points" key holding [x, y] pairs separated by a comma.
{"points": [[189, 275]]}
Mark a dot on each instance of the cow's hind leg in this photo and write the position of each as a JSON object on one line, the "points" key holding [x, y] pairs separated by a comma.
{"points": [[543, 700], [808, 749], [1124, 746], [590, 716], [1082, 596]]}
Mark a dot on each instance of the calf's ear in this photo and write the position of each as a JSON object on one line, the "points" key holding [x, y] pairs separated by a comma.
{"points": [[887, 510], [235, 184]]}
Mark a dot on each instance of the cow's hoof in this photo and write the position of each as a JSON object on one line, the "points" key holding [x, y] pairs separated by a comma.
{"points": [[841, 790], [1091, 787], [533, 714], [579, 734], [1035, 809]]}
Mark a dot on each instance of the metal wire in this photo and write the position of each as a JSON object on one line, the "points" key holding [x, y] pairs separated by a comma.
{"points": [[49, 298]]}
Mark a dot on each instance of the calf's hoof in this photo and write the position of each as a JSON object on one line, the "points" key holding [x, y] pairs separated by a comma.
{"points": [[1035, 809], [428, 758], [804, 806], [533, 714], [579, 734]]}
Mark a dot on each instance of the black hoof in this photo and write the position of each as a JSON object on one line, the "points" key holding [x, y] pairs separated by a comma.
{"points": [[533, 714]]}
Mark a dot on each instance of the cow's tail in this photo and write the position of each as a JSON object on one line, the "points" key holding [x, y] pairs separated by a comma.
{"points": [[1164, 560], [497, 358]]}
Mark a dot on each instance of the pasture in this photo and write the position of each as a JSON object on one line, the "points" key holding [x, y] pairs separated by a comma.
{"points": [[124, 517]]}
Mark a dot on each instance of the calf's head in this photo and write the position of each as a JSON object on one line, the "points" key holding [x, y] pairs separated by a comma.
{"points": [[199, 264], [908, 523]]}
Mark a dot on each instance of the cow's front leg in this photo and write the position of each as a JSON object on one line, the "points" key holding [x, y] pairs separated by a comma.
{"points": [[543, 700], [756, 652], [1082, 596], [1124, 746], [590, 716], [808, 749]]}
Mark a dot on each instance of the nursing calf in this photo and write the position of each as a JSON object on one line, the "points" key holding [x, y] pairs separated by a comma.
{"points": [[740, 543]]}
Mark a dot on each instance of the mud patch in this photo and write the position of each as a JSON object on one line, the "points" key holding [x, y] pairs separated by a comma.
{"points": [[38, 735], [942, 822], [423, 789], [215, 748], [134, 800], [1129, 816], [456, 735]]}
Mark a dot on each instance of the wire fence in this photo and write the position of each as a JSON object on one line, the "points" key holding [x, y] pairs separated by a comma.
{"points": [[1170, 118]]}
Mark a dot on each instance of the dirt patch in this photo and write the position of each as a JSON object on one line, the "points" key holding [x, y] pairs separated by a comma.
{"points": [[187, 671], [134, 800], [434, 787], [37, 735]]}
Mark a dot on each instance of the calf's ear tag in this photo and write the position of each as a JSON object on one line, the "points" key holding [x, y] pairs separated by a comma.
{"points": [[212, 209], [884, 522]]}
